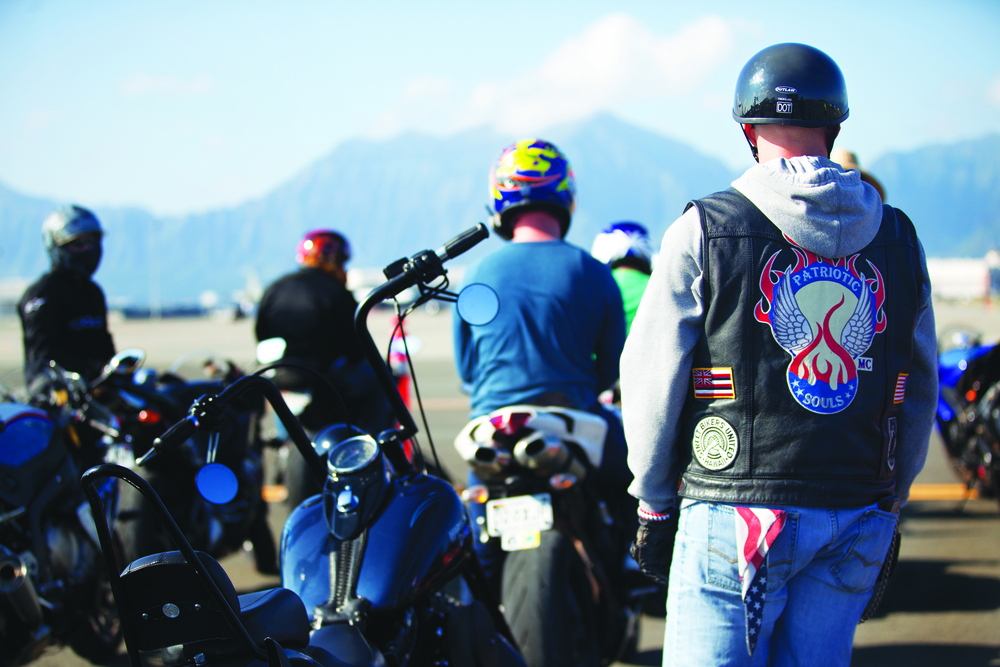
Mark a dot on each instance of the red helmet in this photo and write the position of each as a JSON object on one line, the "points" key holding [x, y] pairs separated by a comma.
{"points": [[323, 246]]}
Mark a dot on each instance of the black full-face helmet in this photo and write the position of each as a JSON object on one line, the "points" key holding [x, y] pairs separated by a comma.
{"points": [[791, 84], [72, 236]]}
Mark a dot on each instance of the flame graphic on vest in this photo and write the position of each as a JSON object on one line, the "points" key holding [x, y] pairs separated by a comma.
{"points": [[825, 314]]}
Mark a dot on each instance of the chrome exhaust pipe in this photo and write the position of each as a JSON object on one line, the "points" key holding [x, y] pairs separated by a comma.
{"points": [[487, 461], [547, 454], [18, 591]]}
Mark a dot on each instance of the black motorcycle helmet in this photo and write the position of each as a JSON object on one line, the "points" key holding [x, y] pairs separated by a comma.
{"points": [[791, 84], [72, 236]]}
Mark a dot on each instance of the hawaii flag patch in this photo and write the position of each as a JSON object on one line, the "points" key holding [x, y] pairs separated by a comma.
{"points": [[713, 383]]}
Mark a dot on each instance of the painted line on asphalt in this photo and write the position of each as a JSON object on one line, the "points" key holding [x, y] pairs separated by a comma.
{"points": [[942, 492], [274, 493]]}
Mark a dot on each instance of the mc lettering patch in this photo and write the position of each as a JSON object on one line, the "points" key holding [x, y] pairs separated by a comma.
{"points": [[825, 314]]}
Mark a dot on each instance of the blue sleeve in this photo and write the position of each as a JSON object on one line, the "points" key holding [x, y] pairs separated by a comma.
{"points": [[612, 336], [462, 339], [465, 363]]}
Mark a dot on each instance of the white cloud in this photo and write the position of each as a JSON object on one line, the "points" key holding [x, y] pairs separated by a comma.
{"points": [[151, 84], [216, 141], [427, 88], [40, 119], [423, 103], [994, 91], [615, 62]]}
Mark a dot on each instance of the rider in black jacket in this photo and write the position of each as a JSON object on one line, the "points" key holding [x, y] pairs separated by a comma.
{"points": [[313, 312], [64, 314]]}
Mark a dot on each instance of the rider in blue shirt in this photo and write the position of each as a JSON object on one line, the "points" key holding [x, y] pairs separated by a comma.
{"points": [[561, 326]]}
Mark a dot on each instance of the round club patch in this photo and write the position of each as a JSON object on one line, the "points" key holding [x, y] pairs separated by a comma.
{"points": [[714, 443]]}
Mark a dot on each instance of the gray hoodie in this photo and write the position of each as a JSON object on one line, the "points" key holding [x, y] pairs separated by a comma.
{"points": [[824, 209]]}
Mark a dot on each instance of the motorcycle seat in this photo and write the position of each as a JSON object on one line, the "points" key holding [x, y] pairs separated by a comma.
{"points": [[277, 613], [166, 603]]}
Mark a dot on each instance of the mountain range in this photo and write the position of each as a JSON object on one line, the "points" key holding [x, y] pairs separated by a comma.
{"points": [[395, 197]]}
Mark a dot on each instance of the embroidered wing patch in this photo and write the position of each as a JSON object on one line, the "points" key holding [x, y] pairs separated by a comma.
{"points": [[825, 314]]}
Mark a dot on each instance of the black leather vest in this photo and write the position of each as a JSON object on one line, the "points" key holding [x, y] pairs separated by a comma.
{"points": [[798, 380]]}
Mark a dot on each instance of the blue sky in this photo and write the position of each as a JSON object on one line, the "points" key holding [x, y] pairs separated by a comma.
{"points": [[183, 105]]}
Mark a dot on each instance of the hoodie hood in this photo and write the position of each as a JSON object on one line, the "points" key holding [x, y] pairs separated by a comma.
{"points": [[815, 203]]}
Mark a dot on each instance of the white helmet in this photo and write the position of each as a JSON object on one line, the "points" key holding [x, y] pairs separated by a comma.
{"points": [[624, 244]]}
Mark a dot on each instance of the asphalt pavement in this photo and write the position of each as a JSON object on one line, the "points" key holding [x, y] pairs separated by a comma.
{"points": [[942, 606]]}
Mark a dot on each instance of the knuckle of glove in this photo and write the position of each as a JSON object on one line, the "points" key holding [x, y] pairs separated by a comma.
{"points": [[653, 549]]}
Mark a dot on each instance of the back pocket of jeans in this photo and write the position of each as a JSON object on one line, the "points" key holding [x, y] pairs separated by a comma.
{"points": [[858, 570], [723, 557]]}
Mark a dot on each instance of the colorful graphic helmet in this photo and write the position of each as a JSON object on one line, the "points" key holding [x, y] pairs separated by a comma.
{"points": [[791, 84], [323, 246], [531, 173], [624, 243], [72, 236]]}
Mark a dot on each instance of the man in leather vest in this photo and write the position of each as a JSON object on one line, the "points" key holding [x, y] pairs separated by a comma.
{"points": [[778, 388]]}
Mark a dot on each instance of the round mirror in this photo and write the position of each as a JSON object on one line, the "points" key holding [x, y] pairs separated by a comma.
{"points": [[478, 304], [125, 362], [217, 484]]}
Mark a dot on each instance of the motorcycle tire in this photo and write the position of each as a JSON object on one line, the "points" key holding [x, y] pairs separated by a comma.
{"points": [[549, 606], [100, 637]]}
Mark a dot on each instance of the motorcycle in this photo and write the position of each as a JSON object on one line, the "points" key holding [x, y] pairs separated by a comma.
{"points": [[556, 552], [147, 404], [373, 557], [968, 411], [316, 403], [53, 586]]}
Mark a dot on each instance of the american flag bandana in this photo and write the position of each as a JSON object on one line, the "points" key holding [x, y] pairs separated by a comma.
{"points": [[756, 530]]}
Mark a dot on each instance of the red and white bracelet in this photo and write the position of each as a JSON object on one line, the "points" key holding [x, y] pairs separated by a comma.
{"points": [[657, 516]]}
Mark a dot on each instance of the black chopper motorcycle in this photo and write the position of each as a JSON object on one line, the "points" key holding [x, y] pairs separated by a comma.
{"points": [[53, 586], [366, 565], [147, 403]]}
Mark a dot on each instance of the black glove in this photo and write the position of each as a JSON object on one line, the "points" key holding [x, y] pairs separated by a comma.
{"points": [[653, 548]]}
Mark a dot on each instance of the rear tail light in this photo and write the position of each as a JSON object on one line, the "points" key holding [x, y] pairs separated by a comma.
{"points": [[476, 494], [150, 416]]}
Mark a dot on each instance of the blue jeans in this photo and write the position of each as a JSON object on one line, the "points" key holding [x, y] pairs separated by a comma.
{"points": [[821, 572]]}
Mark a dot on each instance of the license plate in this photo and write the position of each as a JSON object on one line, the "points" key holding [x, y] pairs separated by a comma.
{"points": [[519, 515]]}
